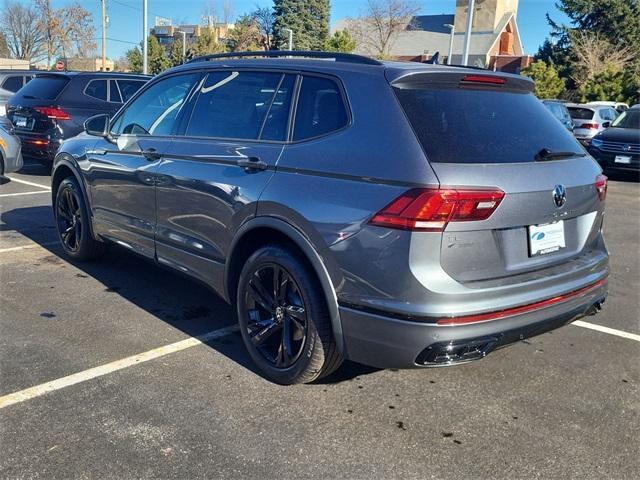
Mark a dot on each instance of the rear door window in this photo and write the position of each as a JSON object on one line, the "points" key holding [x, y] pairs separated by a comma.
{"points": [[482, 126], [233, 104], [97, 89], [277, 123], [129, 87], [320, 110], [13, 84], [46, 87], [114, 93]]}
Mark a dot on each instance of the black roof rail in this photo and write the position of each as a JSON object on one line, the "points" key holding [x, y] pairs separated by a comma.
{"points": [[338, 57]]}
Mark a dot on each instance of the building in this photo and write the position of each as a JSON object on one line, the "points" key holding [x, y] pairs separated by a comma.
{"points": [[89, 64], [13, 64], [166, 33], [495, 40]]}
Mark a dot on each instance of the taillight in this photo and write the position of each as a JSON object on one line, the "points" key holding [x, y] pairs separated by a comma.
{"points": [[430, 210], [594, 126], [601, 186], [484, 79], [53, 112]]}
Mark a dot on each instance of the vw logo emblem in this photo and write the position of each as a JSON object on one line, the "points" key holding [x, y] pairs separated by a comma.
{"points": [[559, 195], [626, 148]]}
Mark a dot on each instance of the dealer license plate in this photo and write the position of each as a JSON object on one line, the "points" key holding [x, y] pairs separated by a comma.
{"points": [[546, 238]]}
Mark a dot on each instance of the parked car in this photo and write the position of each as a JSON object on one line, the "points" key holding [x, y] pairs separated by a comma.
{"points": [[618, 147], [618, 106], [427, 228], [560, 111], [10, 82], [54, 106], [10, 148], [589, 120]]}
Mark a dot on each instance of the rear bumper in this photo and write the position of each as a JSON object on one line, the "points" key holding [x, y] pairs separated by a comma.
{"points": [[38, 145], [386, 342]]}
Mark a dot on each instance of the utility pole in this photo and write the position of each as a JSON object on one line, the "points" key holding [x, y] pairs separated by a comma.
{"points": [[467, 33], [104, 35], [145, 47], [451, 29]]}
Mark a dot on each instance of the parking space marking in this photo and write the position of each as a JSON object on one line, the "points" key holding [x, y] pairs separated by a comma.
{"points": [[33, 184], [23, 193], [610, 331], [39, 390], [25, 247]]}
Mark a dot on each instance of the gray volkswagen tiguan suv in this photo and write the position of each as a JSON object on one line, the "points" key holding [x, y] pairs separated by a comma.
{"points": [[394, 214]]}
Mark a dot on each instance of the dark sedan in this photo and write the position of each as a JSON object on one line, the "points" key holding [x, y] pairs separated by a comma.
{"points": [[54, 106], [618, 147]]}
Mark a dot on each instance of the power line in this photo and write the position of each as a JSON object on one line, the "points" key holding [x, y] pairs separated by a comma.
{"points": [[134, 8]]}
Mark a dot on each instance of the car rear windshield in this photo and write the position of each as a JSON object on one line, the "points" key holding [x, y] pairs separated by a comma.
{"points": [[45, 87], [483, 126], [581, 113]]}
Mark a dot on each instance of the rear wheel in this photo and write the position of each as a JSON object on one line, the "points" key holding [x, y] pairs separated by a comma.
{"points": [[284, 319], [72, 221]]}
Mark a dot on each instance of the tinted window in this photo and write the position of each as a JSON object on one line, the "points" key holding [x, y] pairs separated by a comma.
{"points": [[578, 113], [483, 126], [97, 89], [629, 119], [129, 87], [13, 84], [114, 94], [233, 104], [275, 127], [46, 87], [320, 109], [154, 112]]}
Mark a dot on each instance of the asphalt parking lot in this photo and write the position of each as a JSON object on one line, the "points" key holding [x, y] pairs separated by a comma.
{"points": [[146, 398]]}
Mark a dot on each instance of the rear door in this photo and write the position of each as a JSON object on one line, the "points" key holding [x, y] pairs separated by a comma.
{"points": [[216, 171], [121, 173], [493, 133]]}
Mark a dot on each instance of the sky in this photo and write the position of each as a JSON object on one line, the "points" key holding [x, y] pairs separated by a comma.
{"points": [[125, 16]]}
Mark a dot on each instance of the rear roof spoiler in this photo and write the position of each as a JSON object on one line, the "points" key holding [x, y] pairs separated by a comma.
{"points": [[462, 77]]}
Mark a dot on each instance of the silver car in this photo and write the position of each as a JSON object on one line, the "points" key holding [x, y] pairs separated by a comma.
{"points": [[10, 148], [589, 120]]}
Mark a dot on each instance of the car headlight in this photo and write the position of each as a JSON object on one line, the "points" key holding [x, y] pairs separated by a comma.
{"points": [[596, 142]]}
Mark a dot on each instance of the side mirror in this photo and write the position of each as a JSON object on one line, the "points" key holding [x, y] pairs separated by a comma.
{"points": [[606, 124], [98, 125]]}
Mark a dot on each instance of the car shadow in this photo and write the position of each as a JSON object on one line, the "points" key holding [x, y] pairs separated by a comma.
{"points": [[171, 297]]}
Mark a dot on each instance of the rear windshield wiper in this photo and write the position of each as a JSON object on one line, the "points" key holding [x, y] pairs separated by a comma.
{"points": [[546, 154]]}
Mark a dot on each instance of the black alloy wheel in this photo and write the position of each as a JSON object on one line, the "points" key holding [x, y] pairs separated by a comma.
{"points": [[277, 324], [69, 219]]}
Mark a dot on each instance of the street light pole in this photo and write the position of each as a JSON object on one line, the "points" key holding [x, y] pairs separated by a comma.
{"points": [[467, 34], [290, 37], [451, 28], [104, 35], [145, 47]]}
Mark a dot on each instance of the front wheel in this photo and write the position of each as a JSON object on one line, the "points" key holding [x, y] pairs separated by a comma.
{"points": [[284, 319], [72, 222]]}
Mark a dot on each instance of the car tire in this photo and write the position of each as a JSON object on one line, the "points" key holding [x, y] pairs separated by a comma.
{"points": [[284, 319], [72, 222]]}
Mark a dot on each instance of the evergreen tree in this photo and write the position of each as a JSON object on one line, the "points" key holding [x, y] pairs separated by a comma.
{"points": [[157, 57], [607, 85], [245, 35], [309, 20], [175, 55], [548, 83], [134, 59], [206, 43], [341, 41]]}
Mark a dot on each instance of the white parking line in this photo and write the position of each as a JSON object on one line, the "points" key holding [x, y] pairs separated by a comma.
{"points": [[25, 247], [610, 331], [39, 390], [23, 193], [33, 184]]}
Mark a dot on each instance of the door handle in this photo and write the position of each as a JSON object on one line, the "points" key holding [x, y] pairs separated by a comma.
{"points": [[151, 154], [252, 164]]}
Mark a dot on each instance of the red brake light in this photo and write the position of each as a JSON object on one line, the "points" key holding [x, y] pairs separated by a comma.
{"points": [[594, 126], [601, 186], [430, 210], [484, 79], [53, 112]]}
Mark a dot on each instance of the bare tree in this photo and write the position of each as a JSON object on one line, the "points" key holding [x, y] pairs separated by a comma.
{"points": [[78, 32], [378, 28], [594, 55], [209, 12], [20, 25], [265, 19]]}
